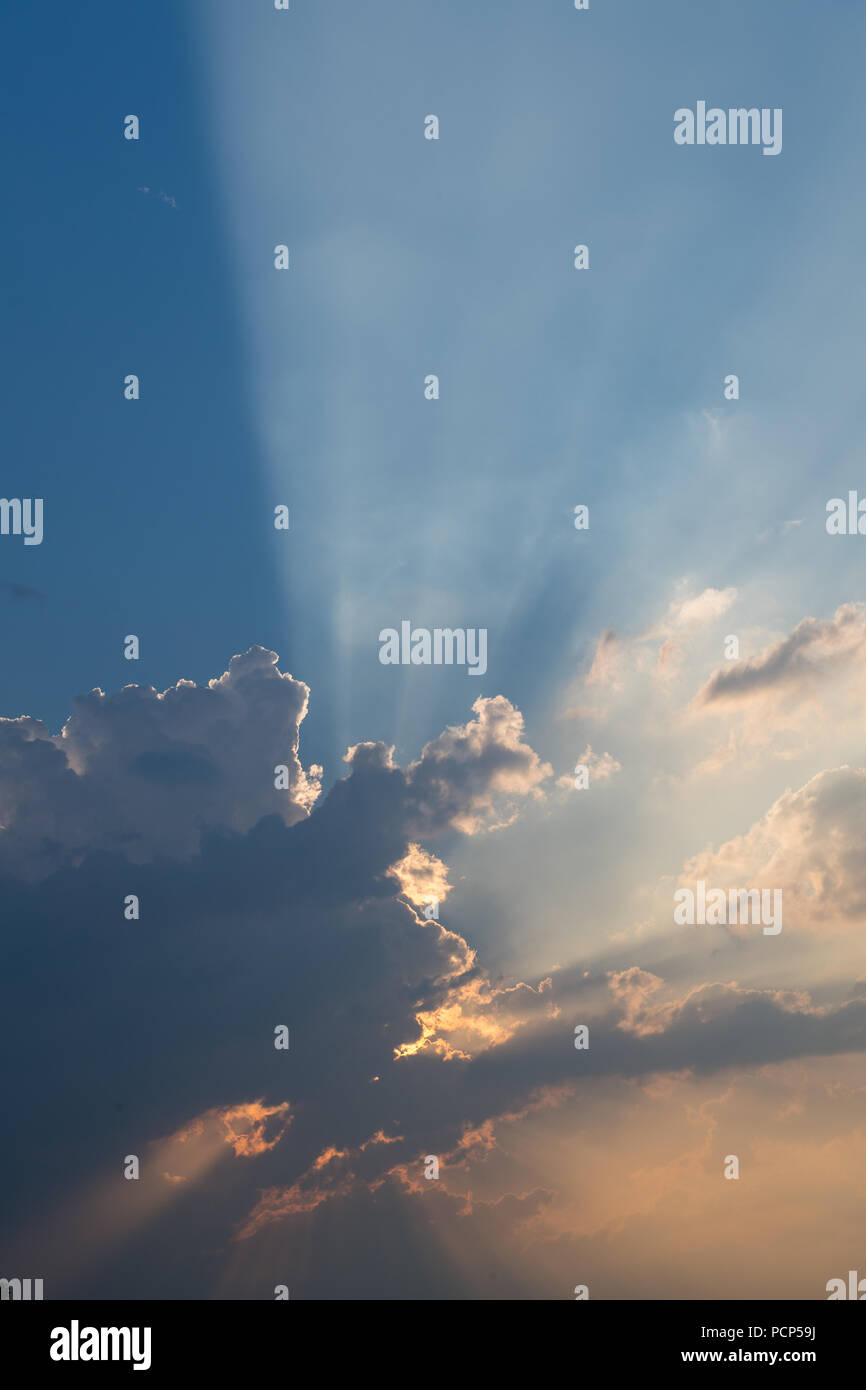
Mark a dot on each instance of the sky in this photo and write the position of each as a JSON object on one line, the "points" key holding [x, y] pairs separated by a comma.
{"points": [[699, 649]]}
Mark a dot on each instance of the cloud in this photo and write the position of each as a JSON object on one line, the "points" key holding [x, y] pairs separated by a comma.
{"points": [[422, 877], [781, 528], [256, 910], [645, 1016], [470, 777], [801, 689], [620, 664], [814, 653], [145, 772], [685, 614], [809, 845], [166, 198], [601, 767], [607, 662], [402, 1043]]}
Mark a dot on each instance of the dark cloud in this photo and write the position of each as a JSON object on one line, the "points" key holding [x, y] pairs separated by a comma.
{"points": [[815, 650], [127, 1031]]}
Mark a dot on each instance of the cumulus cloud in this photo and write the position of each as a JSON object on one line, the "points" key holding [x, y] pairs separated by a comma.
{"points": [[256, 911], [143, 771], [422, 877], [809, 845], [600, 766], [402, 1043], [470, 778]]}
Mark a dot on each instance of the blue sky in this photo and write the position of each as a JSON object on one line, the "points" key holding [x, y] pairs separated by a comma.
{"points": [[411, 256], [408, 256], [558, 387]]}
